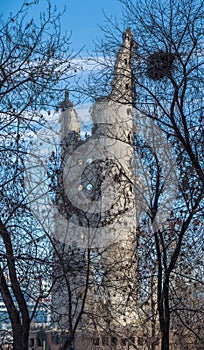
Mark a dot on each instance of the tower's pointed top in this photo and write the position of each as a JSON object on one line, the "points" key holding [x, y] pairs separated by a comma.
{"points": [[68, 118], [123, 83], [128, 35], [66, 103]]}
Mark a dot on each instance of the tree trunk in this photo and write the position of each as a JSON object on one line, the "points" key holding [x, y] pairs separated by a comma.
{"points": [[165, 326], [165, 337], [153, 321], [68, 343], [20, 337]]}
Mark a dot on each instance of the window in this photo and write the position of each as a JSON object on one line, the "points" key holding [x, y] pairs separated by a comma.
{"points": [[123, 342], [132, 339], [55, 338], [32, 341], [39, 342], [140, 341], [114, 341], [105, 341], [96, 341]]}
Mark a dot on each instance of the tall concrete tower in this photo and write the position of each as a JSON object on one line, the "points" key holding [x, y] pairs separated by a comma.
{"points": [[112, 117], [97, 202]]}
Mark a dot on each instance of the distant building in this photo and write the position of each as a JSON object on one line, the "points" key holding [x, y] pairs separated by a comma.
{"points": [[42, 314]]}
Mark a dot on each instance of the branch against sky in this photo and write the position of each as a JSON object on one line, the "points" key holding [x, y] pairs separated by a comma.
{"points": [[35, 69], [168, 75], [168, 70]]}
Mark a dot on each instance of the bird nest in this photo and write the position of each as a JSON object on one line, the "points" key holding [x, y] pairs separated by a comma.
{"points": [[160, 64]]}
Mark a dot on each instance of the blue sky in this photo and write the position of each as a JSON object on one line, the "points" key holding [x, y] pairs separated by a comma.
{"points": [[82, 17]]}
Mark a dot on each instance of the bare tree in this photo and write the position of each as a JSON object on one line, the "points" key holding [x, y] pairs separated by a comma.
{"points": [[168, 78], [35, 67]]}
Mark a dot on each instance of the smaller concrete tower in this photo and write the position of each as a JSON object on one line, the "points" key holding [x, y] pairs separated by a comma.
{"points": [[68, 119]]}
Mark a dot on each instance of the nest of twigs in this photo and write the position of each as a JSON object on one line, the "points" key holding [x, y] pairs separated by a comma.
{"points": [[160, 64]]}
